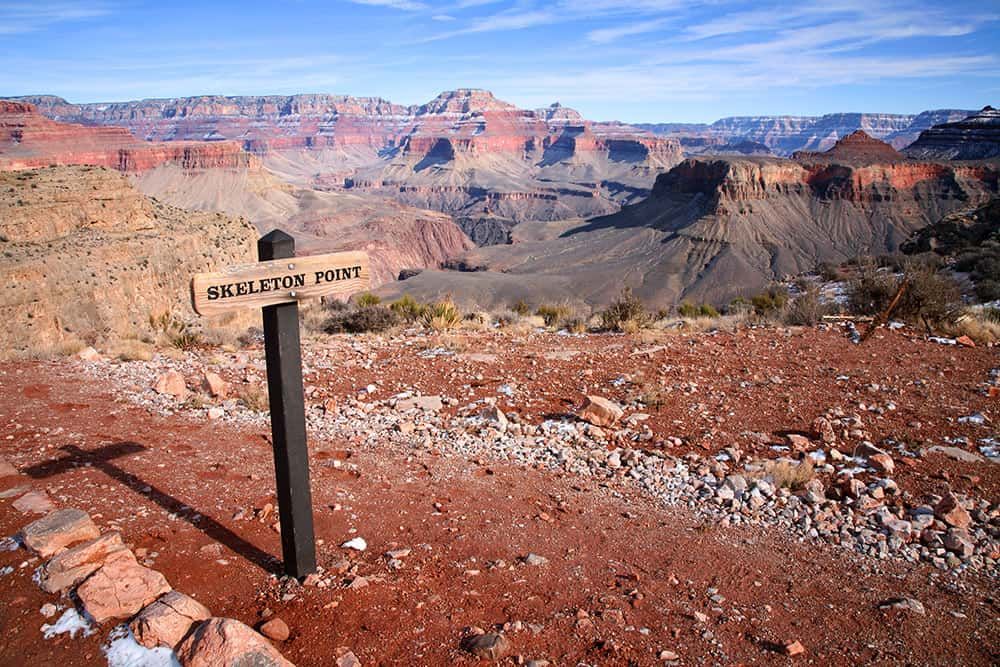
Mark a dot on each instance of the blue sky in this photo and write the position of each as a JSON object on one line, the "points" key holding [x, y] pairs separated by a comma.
{"points": [[631, 60]]}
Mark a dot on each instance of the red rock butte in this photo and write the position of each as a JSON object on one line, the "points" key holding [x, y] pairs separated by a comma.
{"points": [[29, 139]]}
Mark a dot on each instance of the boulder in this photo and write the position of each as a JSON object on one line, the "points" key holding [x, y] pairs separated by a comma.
{"points": [[171, 383], [224, 642], [72, 566], [882, 463], [120, 588], [960, 542], [215, 385], [491, 645], [34, 502], [275, 629], [168, 620], [824, 430], [600, 411], [6, 469], [950, 510], [58, 530], [427, 403], [88, 354]]}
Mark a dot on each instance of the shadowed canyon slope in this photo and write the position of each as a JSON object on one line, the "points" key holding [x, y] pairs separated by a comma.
{"points": [[87, 257], [715, 229], [465, 152], [973, 138]]}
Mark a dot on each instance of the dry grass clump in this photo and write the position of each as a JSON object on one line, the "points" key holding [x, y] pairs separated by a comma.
{"points": [[789, 475], [442, 316], [553, 314], [982, 326], [368, 319], [627, 314], [806, 309], [172, 331], [689, 310], [408, 309], [254, 396], [132, 350]]}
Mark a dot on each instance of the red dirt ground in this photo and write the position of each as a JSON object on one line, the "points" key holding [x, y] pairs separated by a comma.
{"points": [[639, 570]]}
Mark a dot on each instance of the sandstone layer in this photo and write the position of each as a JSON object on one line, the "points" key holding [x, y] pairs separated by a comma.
{"points": [[29, 139], [88, 257]]}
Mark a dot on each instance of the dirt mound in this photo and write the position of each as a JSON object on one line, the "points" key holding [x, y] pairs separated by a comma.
{"points": [[88, 257], [855, 148]]}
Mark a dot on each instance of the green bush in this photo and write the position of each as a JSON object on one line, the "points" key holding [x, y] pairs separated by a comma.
{"points": [[409, 309], [690, 310], [367, 300], [368, 319], [627, 313], [932, 295], [771, 301]]}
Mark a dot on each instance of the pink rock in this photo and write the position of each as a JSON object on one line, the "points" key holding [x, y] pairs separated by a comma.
{"points": [[172, 384], [34, 502], [346, 658], [88, 354], [120, 588], [58, 530], [797, 442], [883, 463], [600, 411], [224, 642], [276, 629], [72, 566], [215, 385], [6, 469], [952, 513], [823, 429], [168, 620]]}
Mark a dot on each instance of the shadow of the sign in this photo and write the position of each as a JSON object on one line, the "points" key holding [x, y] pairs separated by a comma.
{"points": [[101, 459]]}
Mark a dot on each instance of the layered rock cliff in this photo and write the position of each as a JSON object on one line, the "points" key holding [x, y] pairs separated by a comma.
{"points": [[88, 258], [784, 135], [465, 142], [29, 139], [713, 229], [976, 137]]}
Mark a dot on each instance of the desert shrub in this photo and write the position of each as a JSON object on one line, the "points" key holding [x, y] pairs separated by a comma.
{"points": [[367, 300], [132, 350], [739, 307], [442, 316], [520, 307], [828, 271], [991, 315], [409, 309], [176, 332], [626, 314], [552, 314], [807, 309], [690, 310], [771, 301], [575, 325], [254, 396], [871, 290], [369, 319], [932, 295], [789, 475]]}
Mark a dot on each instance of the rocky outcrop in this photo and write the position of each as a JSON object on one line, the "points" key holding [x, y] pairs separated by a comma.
{"points": [[89, 258], [855, 148], [29, 139], [976, 137]]}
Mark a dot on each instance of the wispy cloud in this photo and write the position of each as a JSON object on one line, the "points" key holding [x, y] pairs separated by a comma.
{"points": [[513, 20], [17, 18], [606, 35], [406, 5]]}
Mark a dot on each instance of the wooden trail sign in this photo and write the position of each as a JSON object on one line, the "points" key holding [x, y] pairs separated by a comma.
{"points": [[276, 285], [280, 280]]}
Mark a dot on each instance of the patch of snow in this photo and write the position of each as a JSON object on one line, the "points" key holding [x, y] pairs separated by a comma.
{"points": [[72, 622], [358, 543], [942, 341], [10, 544], [976, 418], [506, 390], [122, 650]]}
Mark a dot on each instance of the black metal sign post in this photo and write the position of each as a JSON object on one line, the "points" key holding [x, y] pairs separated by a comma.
{"points": [[288, 419]]}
